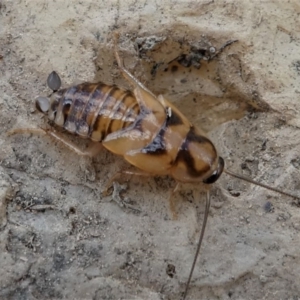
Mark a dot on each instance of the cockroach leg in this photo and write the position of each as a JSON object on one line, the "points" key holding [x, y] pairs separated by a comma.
{"points": [[91, 151], [126, 74], [116, 197], [122, 172], [26, 130]]}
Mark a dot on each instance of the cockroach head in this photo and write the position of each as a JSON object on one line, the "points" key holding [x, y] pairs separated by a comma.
{"points": [[197, 159]]}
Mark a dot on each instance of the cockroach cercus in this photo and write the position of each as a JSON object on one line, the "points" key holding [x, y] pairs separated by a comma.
{"points": [[147, 130]]}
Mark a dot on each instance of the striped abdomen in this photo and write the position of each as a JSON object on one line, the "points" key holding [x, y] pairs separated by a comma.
{"points": [[93, 110]]}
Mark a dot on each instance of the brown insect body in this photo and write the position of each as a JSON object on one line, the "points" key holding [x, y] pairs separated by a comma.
{"points": [[148, 131], [93, 110]]}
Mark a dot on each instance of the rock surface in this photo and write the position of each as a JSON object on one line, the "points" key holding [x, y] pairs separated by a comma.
{"points": [[64, 240]]}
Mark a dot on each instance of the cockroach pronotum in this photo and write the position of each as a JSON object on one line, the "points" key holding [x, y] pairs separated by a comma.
{"points": [[147, 130]]}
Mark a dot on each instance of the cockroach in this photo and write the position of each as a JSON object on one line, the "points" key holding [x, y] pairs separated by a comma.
{"points": [[147, 130]]}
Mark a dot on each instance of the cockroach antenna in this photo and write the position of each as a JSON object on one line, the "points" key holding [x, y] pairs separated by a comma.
{"points": [[207, 206], [260, 184]]}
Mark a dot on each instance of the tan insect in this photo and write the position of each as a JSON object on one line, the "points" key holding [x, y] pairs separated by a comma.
{"points": [[147, 130]]}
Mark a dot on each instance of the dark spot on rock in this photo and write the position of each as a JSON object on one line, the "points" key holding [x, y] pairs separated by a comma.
{"points": [[268, 207], [296, 162], [170, 270], [174, 69], [183, 80], [72, 210]]}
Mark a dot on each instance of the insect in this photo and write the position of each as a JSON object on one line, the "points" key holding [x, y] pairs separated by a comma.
{"points": [[147, 130]]}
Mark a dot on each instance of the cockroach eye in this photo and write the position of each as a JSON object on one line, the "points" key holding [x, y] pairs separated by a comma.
{"points": [[217, 173], [53, 81], [42, 104]]}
